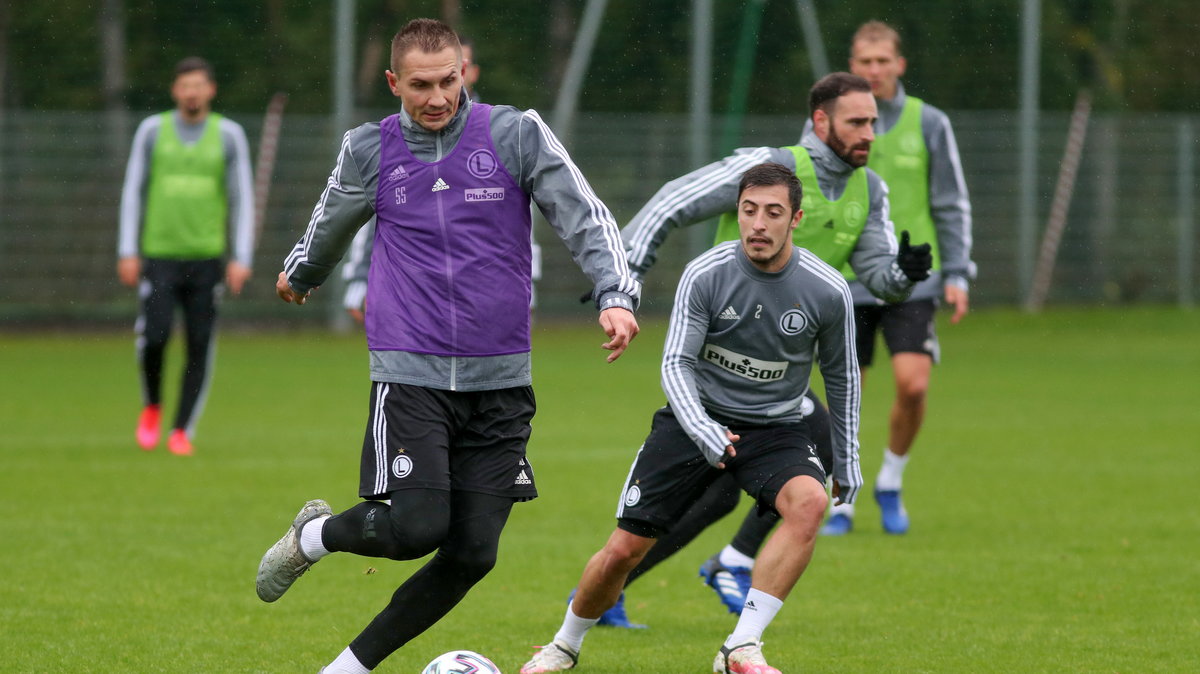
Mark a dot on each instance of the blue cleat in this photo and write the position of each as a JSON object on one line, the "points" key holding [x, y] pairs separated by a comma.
{"points": [[615, 616], [730, 583], [838, 524], [895, 517]]}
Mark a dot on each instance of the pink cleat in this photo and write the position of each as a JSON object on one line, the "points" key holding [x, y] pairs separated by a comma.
{"points": [[179, 444], [147, 429], [744, 659], [555, 656]]}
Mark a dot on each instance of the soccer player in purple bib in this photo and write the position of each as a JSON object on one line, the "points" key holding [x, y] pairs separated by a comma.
{"points": [[450, 183]]}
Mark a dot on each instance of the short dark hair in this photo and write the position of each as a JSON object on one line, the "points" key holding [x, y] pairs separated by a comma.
{"points": [[824, 94], [428, 35], [192, 64], [769, 175]]}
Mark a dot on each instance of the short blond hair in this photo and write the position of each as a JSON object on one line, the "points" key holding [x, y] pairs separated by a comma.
{"points": [[876, 31]]}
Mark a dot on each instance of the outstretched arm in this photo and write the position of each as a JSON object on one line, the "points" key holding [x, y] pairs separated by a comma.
{"points": [[702, 194], [340, 211]]}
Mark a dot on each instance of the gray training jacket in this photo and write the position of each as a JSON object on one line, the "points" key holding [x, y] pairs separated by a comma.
{"points": [[949, 203], [539, 163], [712, 190], [742, 343]]}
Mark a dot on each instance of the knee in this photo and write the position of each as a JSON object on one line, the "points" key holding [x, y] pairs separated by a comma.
{"points": [[412, 537], [624, 551], [802, 501], [472, 563], [912, 391]]}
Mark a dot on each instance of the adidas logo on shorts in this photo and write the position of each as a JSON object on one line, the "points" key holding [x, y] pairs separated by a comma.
{"points": [[523, 478]]}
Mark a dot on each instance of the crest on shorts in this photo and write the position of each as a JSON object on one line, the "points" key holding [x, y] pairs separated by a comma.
{"points": [[633, 495], [402, 466]]}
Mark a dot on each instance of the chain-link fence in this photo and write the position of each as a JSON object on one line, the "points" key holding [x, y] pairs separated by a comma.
{"points": [[1130, 235]]}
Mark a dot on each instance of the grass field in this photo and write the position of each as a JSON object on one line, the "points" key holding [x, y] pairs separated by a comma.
{"points": [[1053, 495]]}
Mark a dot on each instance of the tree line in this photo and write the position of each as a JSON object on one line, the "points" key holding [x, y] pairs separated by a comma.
{"points": [[963, 54]]}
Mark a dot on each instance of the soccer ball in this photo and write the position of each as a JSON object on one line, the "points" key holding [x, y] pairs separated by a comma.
{"points": [[461, 662]]}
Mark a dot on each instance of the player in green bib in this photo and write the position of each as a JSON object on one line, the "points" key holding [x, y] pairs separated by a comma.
{"points": [[916, 154], [187, 184]]}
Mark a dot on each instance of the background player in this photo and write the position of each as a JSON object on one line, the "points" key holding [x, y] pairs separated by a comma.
{"points": [[749, 319], [186, 183], [916, 153]]}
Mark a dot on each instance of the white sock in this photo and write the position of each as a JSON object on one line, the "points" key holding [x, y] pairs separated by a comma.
{"points": [[310, 539], [574, 629], [846, 509], [346, 663], [758, 612], [891, 473], [730, 558]]}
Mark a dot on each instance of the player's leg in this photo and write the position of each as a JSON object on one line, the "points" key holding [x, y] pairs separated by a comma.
{"points": [[758, 522], [908, 329], [411, 525], [415, 420], [467, 554], [668, 475], [720, 499], [598, 589], [199, 295], [777, 471], [801, 504], [156, 311]]}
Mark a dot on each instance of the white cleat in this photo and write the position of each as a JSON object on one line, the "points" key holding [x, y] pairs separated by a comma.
{"points": [[284, 562], [744, 659], [553, 657]]}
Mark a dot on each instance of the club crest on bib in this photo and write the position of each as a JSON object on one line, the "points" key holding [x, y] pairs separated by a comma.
{"points": [[482, 163]]}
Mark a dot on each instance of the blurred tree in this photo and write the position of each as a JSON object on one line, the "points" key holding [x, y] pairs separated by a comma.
{"points": [[961, 53]]}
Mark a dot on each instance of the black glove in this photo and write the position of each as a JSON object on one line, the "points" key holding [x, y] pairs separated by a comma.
{"points": [[915, 262]]}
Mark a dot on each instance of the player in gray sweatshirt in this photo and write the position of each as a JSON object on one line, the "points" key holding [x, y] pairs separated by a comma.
{"points": [[751, 318]]}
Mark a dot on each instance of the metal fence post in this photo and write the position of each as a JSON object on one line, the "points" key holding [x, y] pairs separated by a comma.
{"points": [[1185, 176]]}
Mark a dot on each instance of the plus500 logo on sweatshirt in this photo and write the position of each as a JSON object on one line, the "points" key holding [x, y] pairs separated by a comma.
{"points": [[744, 366]]}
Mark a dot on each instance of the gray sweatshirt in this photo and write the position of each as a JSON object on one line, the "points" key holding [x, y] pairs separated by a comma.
{"points": [[712, 190], [540, 165], [742, 343]]}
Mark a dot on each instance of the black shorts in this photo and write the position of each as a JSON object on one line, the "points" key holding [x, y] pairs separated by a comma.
{"points": [[670, 472], [421, 438], [908, 327]]}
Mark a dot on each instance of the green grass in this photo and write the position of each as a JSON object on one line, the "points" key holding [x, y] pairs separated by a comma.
{"points": [[1055, 522]]}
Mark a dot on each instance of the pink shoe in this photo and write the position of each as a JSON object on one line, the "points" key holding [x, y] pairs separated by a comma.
{"points": [[147, 430], [179, 444], [744, 659]]}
